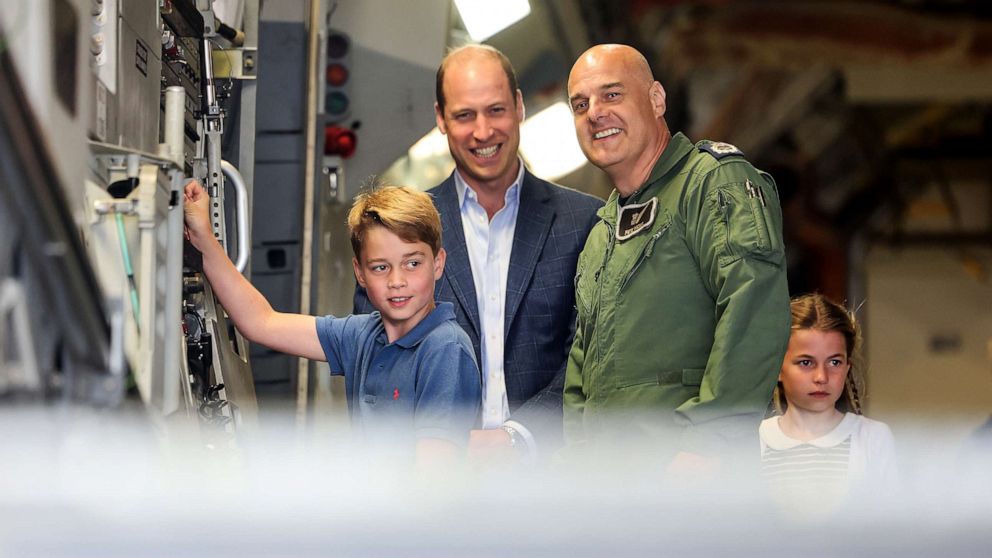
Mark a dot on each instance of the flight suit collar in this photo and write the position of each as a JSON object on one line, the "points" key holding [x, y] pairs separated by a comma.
{"points": [[676, 150]]}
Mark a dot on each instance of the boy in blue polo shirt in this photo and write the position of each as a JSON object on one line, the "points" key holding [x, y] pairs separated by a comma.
{"points": [[410, 371]]}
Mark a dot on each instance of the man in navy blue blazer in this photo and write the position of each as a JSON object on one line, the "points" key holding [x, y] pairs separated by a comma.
{"points": [[513, 241]]}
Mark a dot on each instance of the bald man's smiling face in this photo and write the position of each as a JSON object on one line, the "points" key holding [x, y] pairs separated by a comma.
{"points": [[616, 108]]}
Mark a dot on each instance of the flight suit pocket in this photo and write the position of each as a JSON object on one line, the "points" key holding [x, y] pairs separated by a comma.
{"points": [[691, 377], [745, 217]]}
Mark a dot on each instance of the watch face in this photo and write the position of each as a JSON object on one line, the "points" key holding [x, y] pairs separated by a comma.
{"points": [[514, 435]]}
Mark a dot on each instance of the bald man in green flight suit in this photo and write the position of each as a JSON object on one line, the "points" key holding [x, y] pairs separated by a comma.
{"points": [[683, 307]]}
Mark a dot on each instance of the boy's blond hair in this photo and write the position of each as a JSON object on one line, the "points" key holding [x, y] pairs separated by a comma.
{"points": [[405, 212]]}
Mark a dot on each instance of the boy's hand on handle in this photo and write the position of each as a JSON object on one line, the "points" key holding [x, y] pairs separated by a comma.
{"points": [[196, 212], [294, 334]]}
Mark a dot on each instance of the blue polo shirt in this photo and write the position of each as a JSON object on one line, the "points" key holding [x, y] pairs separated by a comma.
{"points": [[424, 385]]}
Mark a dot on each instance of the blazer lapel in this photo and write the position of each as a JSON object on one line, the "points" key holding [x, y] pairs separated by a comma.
{"points": [[458, 269], [533, 223]]}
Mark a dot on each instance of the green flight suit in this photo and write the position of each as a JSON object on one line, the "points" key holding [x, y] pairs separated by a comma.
{"points": [[682, 326]]}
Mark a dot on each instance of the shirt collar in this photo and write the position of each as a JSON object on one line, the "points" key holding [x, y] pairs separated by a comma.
{"points": [[512, 193], [443, 312], [773, 436]]}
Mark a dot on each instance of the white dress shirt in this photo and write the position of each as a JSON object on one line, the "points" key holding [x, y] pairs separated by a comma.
{"points": [[489, 244]]}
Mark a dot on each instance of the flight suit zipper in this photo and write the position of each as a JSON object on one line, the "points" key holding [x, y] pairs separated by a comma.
{"points": [[598, 308], [645, 254], [610, 243]]}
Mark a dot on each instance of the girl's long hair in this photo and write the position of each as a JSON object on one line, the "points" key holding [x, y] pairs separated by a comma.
{"points": [[817, 312]]}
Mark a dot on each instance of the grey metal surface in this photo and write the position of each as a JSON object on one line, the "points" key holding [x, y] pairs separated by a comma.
{"points": [[230, 365], [393, 105], [139, 80], [278, 202], [161, 287], [40, 252], [144, 21], [247, 121], [281, 77], [277, 193]]}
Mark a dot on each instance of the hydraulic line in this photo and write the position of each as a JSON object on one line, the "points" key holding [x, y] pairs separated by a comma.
{"points": [[129, 270]]}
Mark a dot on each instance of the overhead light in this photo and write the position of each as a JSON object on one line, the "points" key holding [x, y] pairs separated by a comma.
{"points": [[548, 142], [426, 163], [485, 18], [434, 144]]}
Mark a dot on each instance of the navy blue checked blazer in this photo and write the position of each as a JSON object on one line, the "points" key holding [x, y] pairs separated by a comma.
{"points": [[552, 225]]}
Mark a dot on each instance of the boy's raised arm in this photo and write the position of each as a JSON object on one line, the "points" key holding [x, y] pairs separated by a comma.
{"points": [[294, 334]]}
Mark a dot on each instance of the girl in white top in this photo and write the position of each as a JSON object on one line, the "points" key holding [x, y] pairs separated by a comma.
{"points": [[819, 448]]}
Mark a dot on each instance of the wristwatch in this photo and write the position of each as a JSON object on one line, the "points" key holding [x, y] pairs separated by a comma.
{"points": [[516, 438]]}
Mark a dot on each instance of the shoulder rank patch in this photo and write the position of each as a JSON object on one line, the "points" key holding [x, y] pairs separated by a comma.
{"points": [[719, 149], [636, 217]]}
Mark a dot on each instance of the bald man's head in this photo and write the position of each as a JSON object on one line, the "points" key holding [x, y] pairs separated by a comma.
{"points": [[622, 57], [618, 110]]}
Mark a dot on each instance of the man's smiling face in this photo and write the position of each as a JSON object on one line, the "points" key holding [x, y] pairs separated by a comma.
{"points": [[481, 119], [616, 108]]}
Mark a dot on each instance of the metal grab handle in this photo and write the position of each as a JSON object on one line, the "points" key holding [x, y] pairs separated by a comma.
{"points": [[241, 204]]}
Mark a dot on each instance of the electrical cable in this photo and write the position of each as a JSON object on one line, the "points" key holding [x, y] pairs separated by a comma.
{"points": [[129, 270]]}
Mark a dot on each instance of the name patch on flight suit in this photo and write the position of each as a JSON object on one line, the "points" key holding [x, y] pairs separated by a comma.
{"points": [[635, 218]]}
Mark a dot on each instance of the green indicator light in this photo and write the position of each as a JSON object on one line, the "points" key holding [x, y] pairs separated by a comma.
{"points": [[336, 103]]}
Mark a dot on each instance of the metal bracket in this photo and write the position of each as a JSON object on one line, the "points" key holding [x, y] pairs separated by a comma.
{"points": [[235, 63], [125, 207], [117, 156], [22, 372], [333, 184]]}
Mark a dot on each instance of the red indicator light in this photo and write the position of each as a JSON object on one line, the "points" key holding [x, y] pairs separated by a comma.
{"points": [[336, 74], [339, 141]]}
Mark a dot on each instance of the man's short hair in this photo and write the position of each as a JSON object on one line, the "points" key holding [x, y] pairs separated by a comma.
{"points": [[504, 62], [405, 212]]}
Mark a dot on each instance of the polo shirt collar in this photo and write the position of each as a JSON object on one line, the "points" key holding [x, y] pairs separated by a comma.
{"points": [[443, 312]]}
